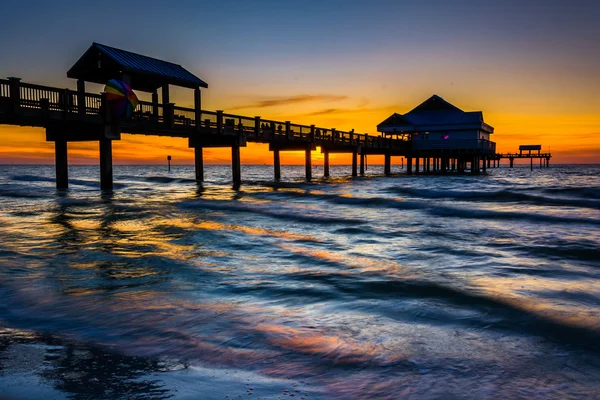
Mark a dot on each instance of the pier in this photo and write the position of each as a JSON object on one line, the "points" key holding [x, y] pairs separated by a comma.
{"points": [[435, 137], [76, 115]]}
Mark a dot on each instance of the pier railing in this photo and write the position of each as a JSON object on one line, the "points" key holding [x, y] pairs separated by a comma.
{"points": [[35, 104]]}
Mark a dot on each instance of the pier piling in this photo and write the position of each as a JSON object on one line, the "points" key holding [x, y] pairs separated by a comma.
{"points": [[62, 164], [106, 167], [199, 164], [276, 164], [308, 164], [236, 165]]}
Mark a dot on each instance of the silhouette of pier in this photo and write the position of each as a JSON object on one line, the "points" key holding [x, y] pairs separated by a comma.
{"points": [[76, 115]]}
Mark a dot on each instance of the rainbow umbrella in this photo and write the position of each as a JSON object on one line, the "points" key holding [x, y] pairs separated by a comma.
{"points": [[121, 99]]}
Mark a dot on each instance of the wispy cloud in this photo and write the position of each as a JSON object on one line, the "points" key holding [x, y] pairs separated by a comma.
{"points": [[323, 112], [280, 101]]}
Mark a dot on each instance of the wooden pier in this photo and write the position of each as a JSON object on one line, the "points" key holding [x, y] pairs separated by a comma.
{"points": [[77, 115]]}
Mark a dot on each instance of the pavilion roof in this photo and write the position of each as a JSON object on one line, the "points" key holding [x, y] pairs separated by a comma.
{"points": [[100, 63]]}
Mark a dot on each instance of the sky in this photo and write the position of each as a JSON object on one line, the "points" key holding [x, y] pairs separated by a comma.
{"points": [[532, 67]]}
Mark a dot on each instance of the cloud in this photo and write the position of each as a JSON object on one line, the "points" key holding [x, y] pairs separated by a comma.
{"points": [[323, 112], [279, 101]]}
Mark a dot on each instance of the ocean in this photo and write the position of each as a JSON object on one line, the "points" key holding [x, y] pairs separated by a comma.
{"points": [[403, 287]]}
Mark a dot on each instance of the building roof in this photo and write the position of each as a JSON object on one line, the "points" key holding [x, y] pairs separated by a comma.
{"points": [[100, 63], [434, 113]]}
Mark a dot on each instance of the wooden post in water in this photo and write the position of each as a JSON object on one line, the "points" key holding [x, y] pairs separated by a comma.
{"points": [[326, 164], [277, 164], [387, 167], [62, 164], [362, 163], [236, 165], [485, 162], [531, 162], [169, 163], [308, 163], [106, 168], [409, 165], [199, 164], [354, 163], [417, 165]]}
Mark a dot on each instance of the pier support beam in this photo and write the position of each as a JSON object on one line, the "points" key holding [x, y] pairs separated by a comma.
{"points": [[277, 164], [326, 164], [387, 165], [485, 163], [409, 165], [106, 167], [199, 164], [427, 165], [62, 164], [362, 164], [308, 164], [444, 164], [417, 165], [512, 161], [236, 170], [354, 162]]}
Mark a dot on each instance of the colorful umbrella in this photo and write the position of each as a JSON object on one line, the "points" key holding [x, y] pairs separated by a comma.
{"points": [[121, 99]]}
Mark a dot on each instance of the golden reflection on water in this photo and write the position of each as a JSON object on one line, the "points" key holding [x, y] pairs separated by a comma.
{"points": [[523, 292]]}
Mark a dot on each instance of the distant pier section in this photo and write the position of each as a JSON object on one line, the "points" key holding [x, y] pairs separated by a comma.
{"points": [[529, 148]]}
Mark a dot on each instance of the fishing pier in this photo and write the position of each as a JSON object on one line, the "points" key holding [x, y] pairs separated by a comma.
{"points": [[76, 116]]}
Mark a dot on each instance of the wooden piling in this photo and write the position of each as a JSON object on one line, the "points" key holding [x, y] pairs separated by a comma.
{"points": [[277, 164], [199, 164], [308, 164], [417, 165], [409, 165], [326, 164], [106, 167], [236, 170], [354, 164], [362, 164], [62, 164], [387, 167]]}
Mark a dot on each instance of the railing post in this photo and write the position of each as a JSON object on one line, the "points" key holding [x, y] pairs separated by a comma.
{"points": [[64, 102], [81, 106], [198, 107], [351, 136], [219, 122], [15, 94], [257, 130], [169, 114], [155, 106], [45, 107], [288, 130]]}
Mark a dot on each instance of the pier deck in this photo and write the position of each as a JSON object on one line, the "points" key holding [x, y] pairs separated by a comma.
{"points": [[71, 116]]}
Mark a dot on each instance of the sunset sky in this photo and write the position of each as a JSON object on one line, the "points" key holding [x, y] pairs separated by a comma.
{"points": [[532, 67]]}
